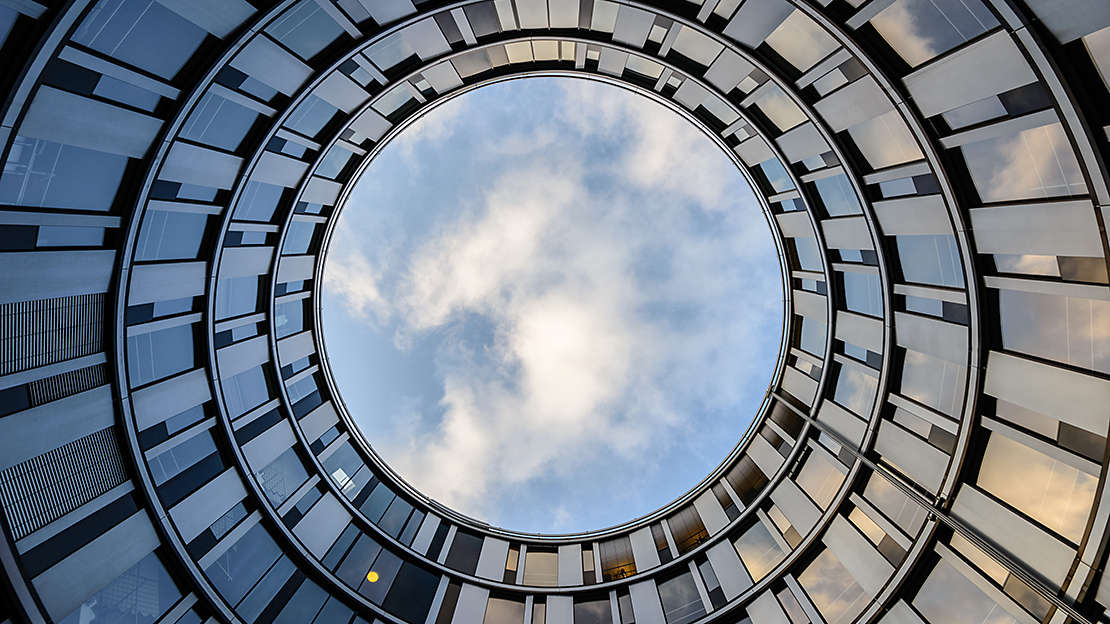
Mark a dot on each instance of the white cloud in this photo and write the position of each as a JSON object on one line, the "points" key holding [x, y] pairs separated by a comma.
{"points": [[613, 318]]}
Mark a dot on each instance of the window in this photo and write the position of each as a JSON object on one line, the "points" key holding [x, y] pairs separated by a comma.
{"points": [[35, 170], [138, 596], [820, 478], [143, 33], [464, 552], [237, 570], [246, 391], [863, 292], [1034, 163], [933, 382], [158, 354], [282, 477], [236, 296], [919, 30], [855, 389], [1065, 329], [932, 259], [681, 602], [833, 590], [949, 596], [812, 336], [305, 29], [541, 567], [218, 122], [759, 550], [809, 258], [166, 235], [258, 201], [593, 611], [616, 558], [687, 529], [503, 611], [837, 195]]}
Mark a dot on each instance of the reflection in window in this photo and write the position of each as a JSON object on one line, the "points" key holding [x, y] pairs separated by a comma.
{"points": [[1046, 489], [801, 41], [245, 391], [687, 529], [759, 551], [855, 390], [837, 195], [616, 558], [948, 596], [218, 122], [1066, 329], [237, 570], [894, 504], [35, 168], [813, 336], [299, 238], [157, 354], [809, 258], [258, 202], [143, 33], [779, 108], [311, 115], [173, 462], [820, 478], [931, 259], [832, 589], [305, 29], [503, 611], [680, 598], [593, 611], [1037, 162], [934, 382], [236, 296], [921, 29], [282, 477], [776, 175], [863, 292], [168, 235], [138, 596], [885, 140]]}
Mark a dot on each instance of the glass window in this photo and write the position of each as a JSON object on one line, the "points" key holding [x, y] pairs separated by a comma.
{"points": [[696, 46], [504, 611], [948, 596], [310, 116], [35, 171], [934, 382], [258, 201], [617, 561], [126, 93], [171, 463], [140, 32], [334, 162], [919, 30], [820, 478], [299, 238], [138, 596], [779, 108], [218, 122], [932, 259], [832, 589], [305, 29], [66, 236], [687, 529], [1051, 492], [282, 477], [154, 355], [813, 336], [303, 604], [465, 549], [236, 296], [237, 570], [1037, 162], [343, 464], [593, 611], [681, 602], [837, 195], [423, 39], [885, 140], [541, 567], [166, 235], [1065, 329], [801, 41], [245, 391], [863, 292], [776, 175], [759, 550], [855, 390], [894, 504], [288, 318]]}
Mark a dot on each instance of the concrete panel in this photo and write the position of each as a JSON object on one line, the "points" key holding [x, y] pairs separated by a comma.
{"points": [[170, 397], [765, 609], [764, 455], [319, 420], [847, 233], [491, 561], [245, 261], [811, 305], [728, 70], [371, 124], [731, 574], [321, 191], [219, 17], [796, 506], [471, 606], [341, 92], [862, 331], [1063, 228], [799, 384], [296, 268], [644, 553], [795, 224], [30, 275], [918, 459], [201, 508], [842, 421], [32, 432], [295, 347], [645, 603], [712, 515], [166, 282], [924, 214], [279, 169], [570, 565], [756, 19], [801, 142], [560, 610], [425, 534], [754, 151], [633, 26], [860, 101]]}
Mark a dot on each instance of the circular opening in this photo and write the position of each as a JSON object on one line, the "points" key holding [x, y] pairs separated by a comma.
{"points": [[552, 304]]}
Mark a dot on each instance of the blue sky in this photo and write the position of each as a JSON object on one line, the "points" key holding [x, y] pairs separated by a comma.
{"points": [[552, 304]]}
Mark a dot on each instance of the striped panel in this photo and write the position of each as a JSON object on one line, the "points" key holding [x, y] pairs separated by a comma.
{"points": [[42, 489], [45, 331], [66, 384]]}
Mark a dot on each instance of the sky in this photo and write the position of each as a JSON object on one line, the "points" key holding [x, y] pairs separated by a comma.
{"points": [[552, 304]]}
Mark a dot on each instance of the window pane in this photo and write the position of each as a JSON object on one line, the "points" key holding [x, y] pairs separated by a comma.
{"points": [[930, 260], [1066, 329], [1038, 162], [35, 168], [141, 32], [138, 596], [759, 551], [832, 589], [681, 602], [541, 568], [921, 29], [947, 596], [159, 354]]}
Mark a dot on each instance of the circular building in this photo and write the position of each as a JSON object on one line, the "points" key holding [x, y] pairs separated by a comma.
{"points": [[933, 443]]}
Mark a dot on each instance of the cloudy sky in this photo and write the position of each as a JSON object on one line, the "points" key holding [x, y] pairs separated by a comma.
{"points": [[552, 305]]}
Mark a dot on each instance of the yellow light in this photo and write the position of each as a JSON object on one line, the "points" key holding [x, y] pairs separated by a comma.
{"points": [[372, 576]]}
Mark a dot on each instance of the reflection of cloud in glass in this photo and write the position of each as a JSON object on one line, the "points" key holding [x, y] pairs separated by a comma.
{"points": [[1072, 330], [801, 41], [758, 550], [1037, 162], [832, 589], [947, 596], [921, 29]]}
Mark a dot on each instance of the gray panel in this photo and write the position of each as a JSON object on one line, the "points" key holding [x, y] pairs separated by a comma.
{"points": [[1072, 19], [801, 142], [1066, 395], [644, 553], [443, 77], [32, 432], [560, 610], [901, 613], [319, 420], [426, 534], [923, 462], [532, 13], [341, 92], [799, 384], [862, 331], [295, 347], [860, 101], [165, 282], [633, 26], [959, 79], [219, 17], [245, 261], [270, 64], [471, 607], [712, 515], [764, 455], [321, 191], [645, 603], [242, 356], [932, 336], [756, 19], [296, 268], [64, 117], [30, 275], [268, 445], [870, 569], [728, 70], [795, 224], [278, 169], [201, 508], [924, 214], [322, 524], [754, 151], [63, 587], [796, 506], [731, 574], [491, 561], [847, 424], [846, 233], [371, 125], [766, 610], [193, 164], [570, 565], [385, 11], [1061, 228], [811, 305]]}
